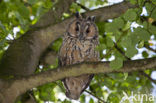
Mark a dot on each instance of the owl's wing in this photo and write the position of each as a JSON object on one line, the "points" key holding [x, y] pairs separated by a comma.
{"points": [[61, 57], [88, 82]]}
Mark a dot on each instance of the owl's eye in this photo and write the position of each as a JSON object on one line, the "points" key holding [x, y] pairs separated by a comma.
{"points": [[87, 31], [77, 26]]}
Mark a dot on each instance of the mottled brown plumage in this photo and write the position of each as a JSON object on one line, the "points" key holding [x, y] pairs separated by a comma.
{"points": [[79, 43]]}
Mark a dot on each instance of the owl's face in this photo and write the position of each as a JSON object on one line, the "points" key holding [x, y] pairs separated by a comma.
{"points": [[83, 29]]}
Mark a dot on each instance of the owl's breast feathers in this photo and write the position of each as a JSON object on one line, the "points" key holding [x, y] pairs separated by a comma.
{"points": [[75, 51]]}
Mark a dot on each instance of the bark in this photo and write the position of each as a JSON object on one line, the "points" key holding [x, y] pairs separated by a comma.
{"points": [[12, 89]]}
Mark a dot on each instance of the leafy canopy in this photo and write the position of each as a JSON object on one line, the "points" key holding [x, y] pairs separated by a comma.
{"points": [[120, 39]]}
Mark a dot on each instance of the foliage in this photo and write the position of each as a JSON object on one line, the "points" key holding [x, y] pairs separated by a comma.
{"points": [[119, 41], [20, 14]]}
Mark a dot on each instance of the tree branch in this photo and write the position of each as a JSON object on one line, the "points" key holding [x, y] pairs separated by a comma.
{"points": [[75, 70]]}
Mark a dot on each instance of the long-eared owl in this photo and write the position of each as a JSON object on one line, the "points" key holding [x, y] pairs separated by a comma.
{"points": [[79, 43]]}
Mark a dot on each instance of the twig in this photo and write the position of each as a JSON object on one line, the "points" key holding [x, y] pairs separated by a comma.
{"points": [[110, 50], [31, 94], [10, 41], [95, 96], [82, 6], [146, 46], [121, 51], [146, 75]]}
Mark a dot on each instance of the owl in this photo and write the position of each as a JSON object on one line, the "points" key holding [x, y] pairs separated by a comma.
{"points": [[79, 43]]}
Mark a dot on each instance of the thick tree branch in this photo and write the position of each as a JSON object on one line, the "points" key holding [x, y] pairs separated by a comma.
{"points": [[75, 70], [110, 12], [48, 58]]}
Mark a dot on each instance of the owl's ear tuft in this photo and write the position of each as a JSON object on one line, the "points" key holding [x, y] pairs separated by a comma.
{"points": [[77, 15], [91, 18]]}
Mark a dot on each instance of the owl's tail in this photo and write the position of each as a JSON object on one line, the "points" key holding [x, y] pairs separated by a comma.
{"points": [[76, 85]]}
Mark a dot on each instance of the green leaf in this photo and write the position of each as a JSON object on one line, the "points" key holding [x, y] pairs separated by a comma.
{"points": [[32, 2], [154, 1], [117, 35], [142, 34], [3, 27], [145, 24], [23, 10], [56, 45], [66, 15], [131, 51], [126, 41], [40, 11], [91, 101], [101, 39], [141, 44], [101, 27], [130, 15], [118, 23], [118, 54], [46, 92], [74, 7], [153, 15], [140, 2], [93, 86], [110, 28], [125, 76], [127, 26], [114, 26], [133, 2], [152, 29], [144, 54], [66, 101], [117, 63], [48, 4], [109, 42], [149, 7], [134, 39], [101, 47], [82, 98], [2, 42]]}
